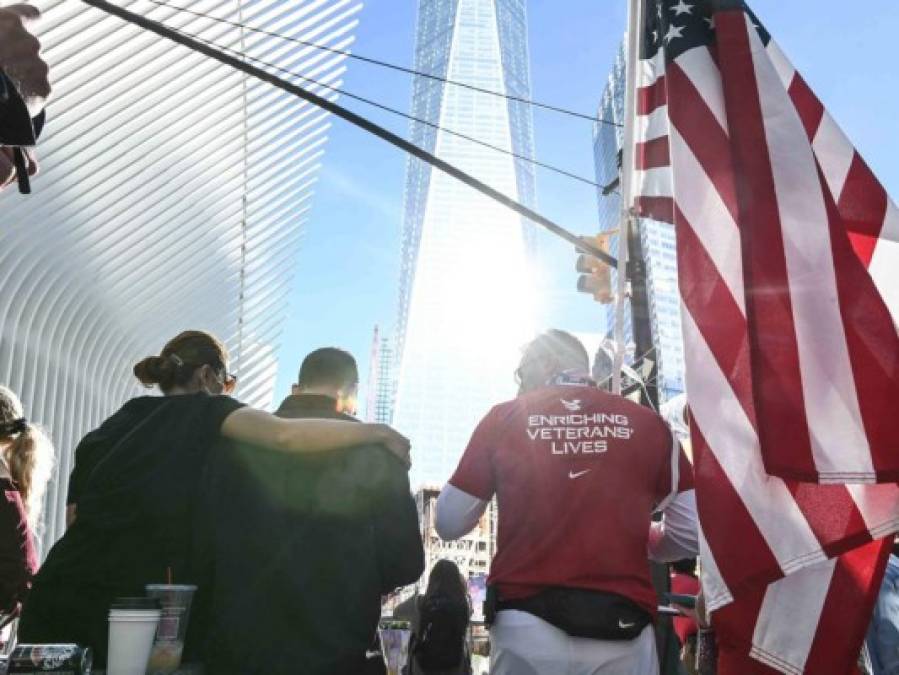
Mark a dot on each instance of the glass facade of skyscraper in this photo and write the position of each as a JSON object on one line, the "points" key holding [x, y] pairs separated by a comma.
{"points": [[657, 239], [465, 304], [607, 141]]}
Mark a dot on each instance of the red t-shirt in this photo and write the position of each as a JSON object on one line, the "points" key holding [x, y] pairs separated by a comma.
{"points": [[577, 473]]}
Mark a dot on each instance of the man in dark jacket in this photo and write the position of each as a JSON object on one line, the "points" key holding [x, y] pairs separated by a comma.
{"points": [[304, 549]]}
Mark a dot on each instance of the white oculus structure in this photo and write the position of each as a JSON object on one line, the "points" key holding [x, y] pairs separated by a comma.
{"points": [[173, 194]]}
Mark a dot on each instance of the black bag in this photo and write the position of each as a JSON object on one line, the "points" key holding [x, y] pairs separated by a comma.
{"points": [[584, 613], [440, 642]]}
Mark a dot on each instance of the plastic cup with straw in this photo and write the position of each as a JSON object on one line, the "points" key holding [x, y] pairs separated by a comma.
{"points": [[174, 601]]}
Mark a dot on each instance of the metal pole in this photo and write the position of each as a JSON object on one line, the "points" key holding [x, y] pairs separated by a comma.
{"points": [[640, 315], [353, 118], [627, 168], [634, 268], [634, 265]]}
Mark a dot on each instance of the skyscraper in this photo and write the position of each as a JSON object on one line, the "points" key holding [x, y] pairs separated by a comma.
{"points": [[381, 380], [657, 240], [465, 299], [607, 142], [173, 195]]}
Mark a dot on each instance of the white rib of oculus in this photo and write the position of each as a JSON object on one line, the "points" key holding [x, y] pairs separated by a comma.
{"points": [[173, 194]]}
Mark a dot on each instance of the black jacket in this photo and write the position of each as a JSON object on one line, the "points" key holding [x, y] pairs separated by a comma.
{"points": [[136, 483], [303, 550]]}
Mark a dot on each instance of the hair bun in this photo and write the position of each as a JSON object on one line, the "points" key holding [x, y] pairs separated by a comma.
{"points": [[180, 359], [154, 370]]}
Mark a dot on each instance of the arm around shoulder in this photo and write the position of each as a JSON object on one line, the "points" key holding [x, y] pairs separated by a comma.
{"points": [[308, 435]]}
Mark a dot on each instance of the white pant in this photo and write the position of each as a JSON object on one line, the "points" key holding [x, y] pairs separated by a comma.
{"points": [[522, 644]]}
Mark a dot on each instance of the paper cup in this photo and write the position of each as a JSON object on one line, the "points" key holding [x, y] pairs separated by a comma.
{"points": [[132, 627]]}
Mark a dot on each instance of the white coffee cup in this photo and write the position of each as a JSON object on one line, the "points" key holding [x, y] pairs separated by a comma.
{"points": [[132, 628]]}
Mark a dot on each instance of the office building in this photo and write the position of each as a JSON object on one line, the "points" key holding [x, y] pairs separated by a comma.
{"points": [[465, 303], [657, 242]]}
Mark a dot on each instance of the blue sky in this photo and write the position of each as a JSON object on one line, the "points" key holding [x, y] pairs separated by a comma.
{"points": [[348, 267]]}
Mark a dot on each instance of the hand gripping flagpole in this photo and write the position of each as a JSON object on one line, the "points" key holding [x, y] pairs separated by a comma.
{"points": [[353, 118]]}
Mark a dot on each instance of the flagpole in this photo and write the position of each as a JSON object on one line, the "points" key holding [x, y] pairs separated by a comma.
{"points": [[630, 247], [632, 267], [627, 167]]}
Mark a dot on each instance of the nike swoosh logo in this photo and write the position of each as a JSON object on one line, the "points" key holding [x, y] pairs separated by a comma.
{"points": [[572, 474], [625, 626]]}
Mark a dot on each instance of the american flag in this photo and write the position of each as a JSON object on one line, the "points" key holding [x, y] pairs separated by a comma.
{"points": [[788, 257]]}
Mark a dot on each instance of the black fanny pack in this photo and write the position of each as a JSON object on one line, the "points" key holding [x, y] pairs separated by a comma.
{"points": [[579, 612]]}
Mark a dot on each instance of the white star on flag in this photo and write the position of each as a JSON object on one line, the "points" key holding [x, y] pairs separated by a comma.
{"points": [[682, 8], [673, 32], [765, 192]]}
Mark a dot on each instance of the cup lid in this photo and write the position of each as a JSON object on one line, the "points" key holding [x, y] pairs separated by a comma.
{"points": [[171, 587], [135, 603]]}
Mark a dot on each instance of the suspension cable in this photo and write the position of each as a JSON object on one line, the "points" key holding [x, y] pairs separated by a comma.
{"points": [[357, 120], [394, 111], [386, 64]]}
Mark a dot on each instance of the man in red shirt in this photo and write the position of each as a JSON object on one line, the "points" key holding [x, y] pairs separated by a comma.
{"points": [[577, 473]]}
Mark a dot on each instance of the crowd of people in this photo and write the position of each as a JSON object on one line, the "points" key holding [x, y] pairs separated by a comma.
{"points": [[293, 526], [141, 500]]}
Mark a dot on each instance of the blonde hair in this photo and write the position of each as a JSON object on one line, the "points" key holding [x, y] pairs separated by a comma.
{"points": [[28, 453]]}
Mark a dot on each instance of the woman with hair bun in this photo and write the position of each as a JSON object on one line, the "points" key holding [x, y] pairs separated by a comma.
{"points": [[26, 458], [135, 495]]}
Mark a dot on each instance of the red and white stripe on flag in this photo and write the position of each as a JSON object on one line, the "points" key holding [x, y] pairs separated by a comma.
{"points": [[788, 263]]}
